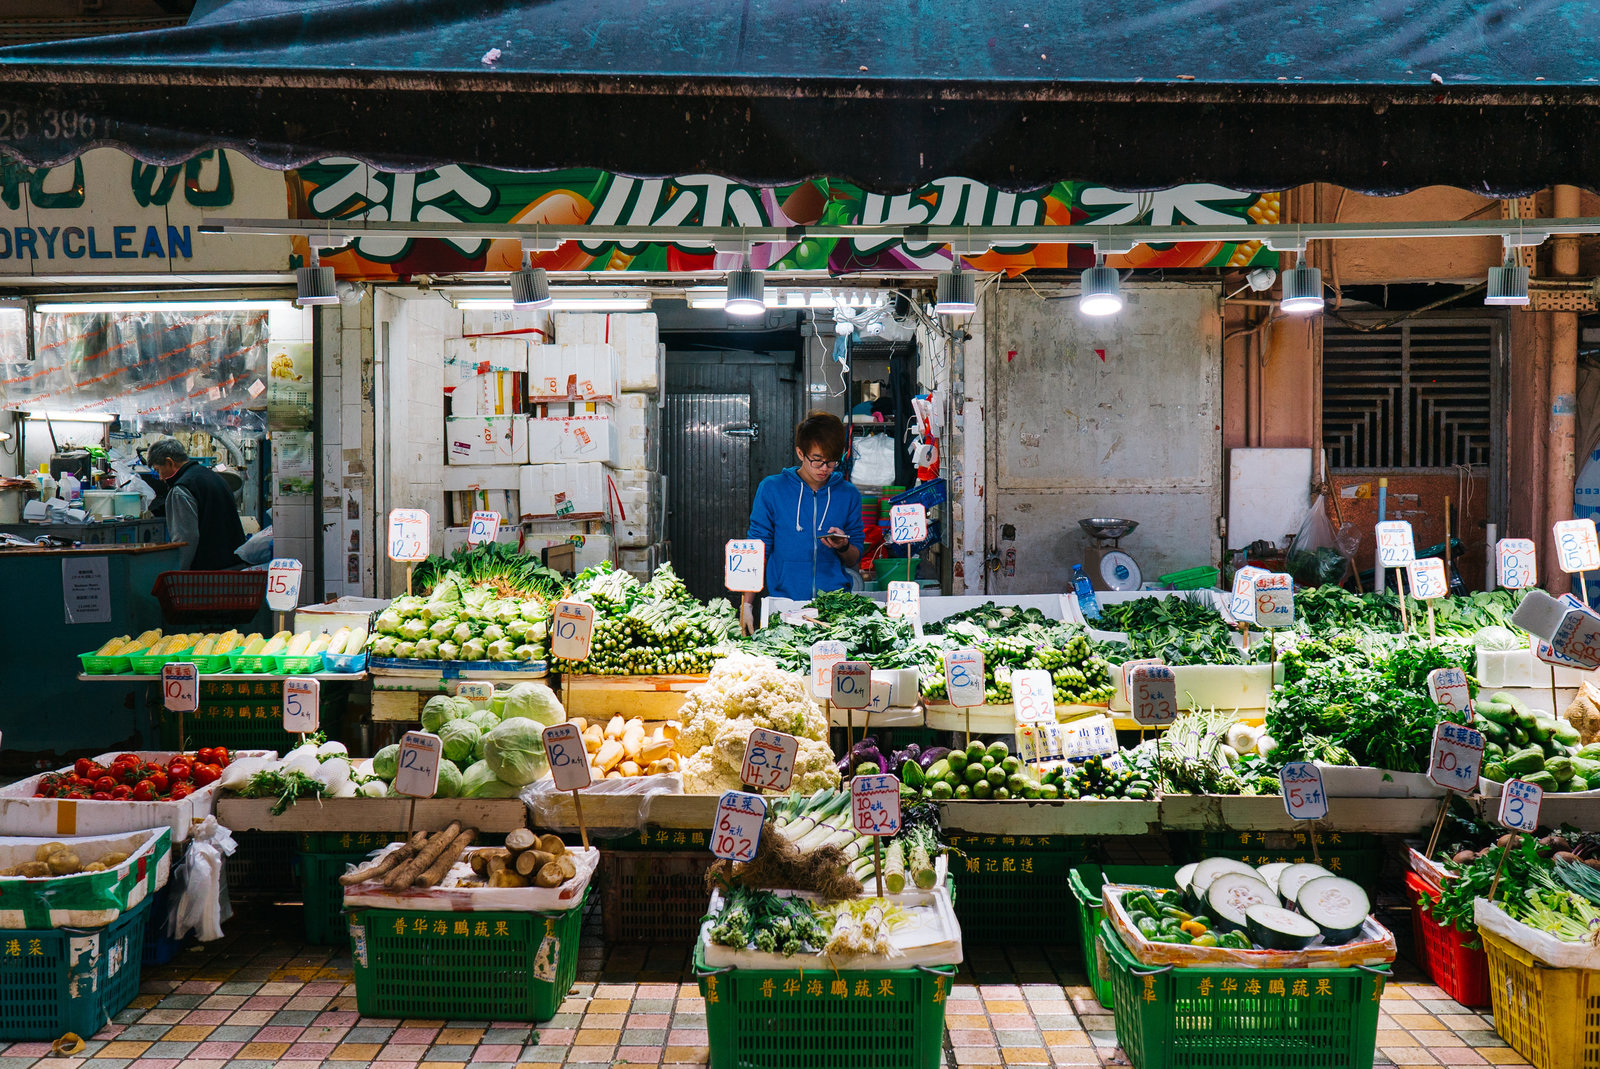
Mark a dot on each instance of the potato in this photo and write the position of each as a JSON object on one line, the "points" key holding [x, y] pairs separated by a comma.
{"points": [[520, 839], [64, 863], [44, 852], [483, 860], [506, 878], [94, 866], [568, 867], [552, 844], [111, 861], [12, 871], [34, 870]]}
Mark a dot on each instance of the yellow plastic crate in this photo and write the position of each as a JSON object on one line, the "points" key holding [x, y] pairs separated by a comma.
{"points": [[1549, 1016]]}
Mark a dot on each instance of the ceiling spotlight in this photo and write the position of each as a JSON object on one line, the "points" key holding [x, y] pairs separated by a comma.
{"points": [[314, 284], [1101, 289], [745, 292], [530, 287], [956, 291], [1508, 283], [1302, 290]]}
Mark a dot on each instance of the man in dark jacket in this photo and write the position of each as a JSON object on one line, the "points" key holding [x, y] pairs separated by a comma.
{"points": [[199, 509]]}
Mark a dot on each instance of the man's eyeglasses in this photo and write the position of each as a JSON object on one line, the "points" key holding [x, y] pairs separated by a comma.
{"points": [[822, 462]]}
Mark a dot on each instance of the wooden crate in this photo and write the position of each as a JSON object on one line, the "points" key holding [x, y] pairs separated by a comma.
{"points": [[596, 698]]}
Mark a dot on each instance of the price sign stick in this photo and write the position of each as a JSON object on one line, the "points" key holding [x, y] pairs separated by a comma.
{"points": [[1554, 702], [409, 566], [1438, 823], [877, 861], [1494, 885], [1583, 585], [1400, 583], [577, 809], [1432, 634]]}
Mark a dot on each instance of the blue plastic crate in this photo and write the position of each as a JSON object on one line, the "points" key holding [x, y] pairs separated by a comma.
{"points": [[49, 987], [928, 494]]}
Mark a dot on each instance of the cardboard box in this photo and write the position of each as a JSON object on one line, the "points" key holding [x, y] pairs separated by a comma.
{"points": [[456, 538], [573, 372], [564, 491], [482, 477], [636, 508], [572, 439], [467, 357], [486, 440], [635, 336], [641, 561], [592, 549]]}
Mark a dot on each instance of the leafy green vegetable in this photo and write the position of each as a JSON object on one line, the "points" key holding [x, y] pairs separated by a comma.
{"points": [[1178, 630]]}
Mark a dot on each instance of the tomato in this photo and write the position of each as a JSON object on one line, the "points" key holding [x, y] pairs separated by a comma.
{"points": [[144, 792], [206, 755], [100, 796], [204, 774], [46, 790], [84, 767], [224, 759], [180, 791], [133, 757], [105, 784], [129, 774], [121, 792], [158, 782], [178, 769]]}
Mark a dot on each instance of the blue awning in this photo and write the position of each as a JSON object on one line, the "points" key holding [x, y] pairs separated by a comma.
{"points": [[1379, 95]]}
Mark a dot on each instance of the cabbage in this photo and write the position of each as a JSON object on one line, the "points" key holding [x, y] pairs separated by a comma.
{"points": [[405, 650], [483, 745], [528, 653], [538, 630], [389, 621], [479, 781], [534, 701], [484, 720], [449, 651], [493, 633], [515, 749], [409, 605], [462, 633], [414, 629], [517, 630], [384, 646], [474, 650], [449, 781], [428, 650], [442, 629], [497, 703], [1498, 638], [501, 651], [459, 736], [385, 763], [439, 709], [533, 612]]}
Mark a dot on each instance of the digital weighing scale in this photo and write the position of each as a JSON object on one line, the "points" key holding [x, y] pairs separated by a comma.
{"points": [[1108, 567]]}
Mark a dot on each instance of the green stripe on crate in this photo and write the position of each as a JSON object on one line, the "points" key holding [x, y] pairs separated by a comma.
{"points": [[86, 891]]}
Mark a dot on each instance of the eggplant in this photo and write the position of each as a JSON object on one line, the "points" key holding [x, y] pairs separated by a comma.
{"points": [[1231, 893], [932, 754], [1335, 905], [1276, 928]]}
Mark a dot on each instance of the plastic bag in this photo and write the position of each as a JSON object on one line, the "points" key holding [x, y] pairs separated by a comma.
{"points": [[200, 898], [257, 549], [874, 460], [553, 808], [1318, 555]]}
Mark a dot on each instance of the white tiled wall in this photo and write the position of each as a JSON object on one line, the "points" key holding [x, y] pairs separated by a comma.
{"points": [[293, 516]]}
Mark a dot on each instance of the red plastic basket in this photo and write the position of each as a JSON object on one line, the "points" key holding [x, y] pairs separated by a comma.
{"points": [[1461, 971], [213, 598]]}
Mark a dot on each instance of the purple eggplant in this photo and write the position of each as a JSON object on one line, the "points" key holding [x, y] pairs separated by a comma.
{"points": [[932, 754]]}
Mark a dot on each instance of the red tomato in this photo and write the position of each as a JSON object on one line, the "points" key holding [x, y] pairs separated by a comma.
{"points": [[206, 756], [84, 767], [129, 774], [181, 790], [144, 792], [178, 769], [128, 757], [105, 784], [204, 774], [224, 759], [100, 796], [158, 782], [121, 792]]}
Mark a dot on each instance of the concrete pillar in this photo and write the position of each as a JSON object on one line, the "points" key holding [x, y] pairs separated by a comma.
{"points": [[1561, 462]]}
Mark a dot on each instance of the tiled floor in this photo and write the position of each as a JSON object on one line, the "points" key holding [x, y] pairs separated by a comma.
{"points": [[259, 998]]}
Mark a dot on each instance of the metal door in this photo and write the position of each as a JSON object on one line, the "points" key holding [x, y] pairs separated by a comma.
{"points": [[706, 457]]}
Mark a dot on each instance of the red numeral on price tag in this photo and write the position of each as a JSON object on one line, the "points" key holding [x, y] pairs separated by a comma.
{"points": [[1397, 546], [1448, 689], [569, 761], [1457, 759], [1242, 605], [485, 527], [1303, 793], [283, 584], [571, 630], [1515, 563], [824, 655], [180, 687], [1155, 696], [1577, 548], [907, 524], [744, 565], [408, 534], [769, 758], [1427, 578], [302, 702], [852, 684], [963, 678], [875, 805], [1519, 806], [417, 769], [905, 600], [737, 832], [1274, 598], [1033, 695]]}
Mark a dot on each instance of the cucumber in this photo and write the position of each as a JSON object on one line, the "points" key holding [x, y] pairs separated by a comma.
{"points": [[1335, 905], [1567, 735], [1275, 928], [1543, 730], [1541, 779], [939, 770], [1497, 712], [1524, 761]]}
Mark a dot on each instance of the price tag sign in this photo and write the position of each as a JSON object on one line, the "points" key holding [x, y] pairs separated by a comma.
{"points": [[1094, 736], [1577, 548], [905, 600], [1457, 758], [908, 524], [744, 565], [302, 704], [738, 829], [479, 692], [1274, 594], [1242, 605], [283, 584], [569, 761], [1396, 545], [1033, 693], [1155, 696], [1515, 563], [1577, 639], [571, 629], [485, 527], [769, 758], [1519, 806], [824, 655], [875, 805], [1303, 794], [1427, 578], [852, 684], [1448, 689], [180, 687], [963, 678], [417, 769], [1124, 678], [408, 534]]}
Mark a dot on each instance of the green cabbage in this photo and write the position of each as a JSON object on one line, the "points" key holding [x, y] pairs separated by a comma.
{"points": [[389, 621], [439, 709], [449, 781], [459, 736], [515, 750], [484, 719], [385, 762], [479, 781], [536, 702], [1498, 638]]}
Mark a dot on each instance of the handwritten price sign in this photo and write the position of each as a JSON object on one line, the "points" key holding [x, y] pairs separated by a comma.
{"points": [[908, 524], [769, 758], [283, 584], [1155, 696], [1577, 548], [1519, 806], [905, 600], [1448, 689], [417, 770], [1242, 605], [1033, 693], [1274, 595], [569, 761], [1303, 793], [1515, 563], [1577, 639], [875, 805], [1397, 546], [479, 692], [1457, 758], [408, 534], [1427, 578], [852, 684], [1093, 736], [737, 833], [302, 702], [963, 678], [571, 630], [180, 686], [1124, 678], [744, 565], [485, 527], [824, 655]]}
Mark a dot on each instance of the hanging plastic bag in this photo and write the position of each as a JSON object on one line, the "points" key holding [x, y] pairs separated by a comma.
{"points": [[1318, 555], [874, 460], [200, 899]]}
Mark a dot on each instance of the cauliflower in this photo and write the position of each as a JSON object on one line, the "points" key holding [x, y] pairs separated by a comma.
{"points": [[742, 694], [814, 769]]}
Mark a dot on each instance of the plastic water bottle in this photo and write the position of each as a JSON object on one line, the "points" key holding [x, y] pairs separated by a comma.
{"points": [[1088, 604]]}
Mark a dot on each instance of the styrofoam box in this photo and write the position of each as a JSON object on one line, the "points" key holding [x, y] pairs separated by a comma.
{"points": [[1245, 687], [505, 321], [486, 440], [592, 549], [546, 488], [634, 335], [481, 477], [637, 506], [641, 561], [1522, 668], [456, 537], [585, 372], [463, 503], [465, 358], [638, 420], [490, 393], [23, 814], [572, 439]]}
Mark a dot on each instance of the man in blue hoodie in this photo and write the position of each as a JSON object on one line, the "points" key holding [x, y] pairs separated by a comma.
{"points": [[808, 517]]}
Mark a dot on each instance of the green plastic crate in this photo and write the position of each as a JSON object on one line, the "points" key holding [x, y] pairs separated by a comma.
{"points": [[48, 988], [1196, 1017], [359, 843], [1087, 881], [1004, 877], [478, 966], [1204, 577], [322, 896], [821, 1019], [1356, 856], [660, 840], [651, 896], [263, 863], [236, 725]]}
